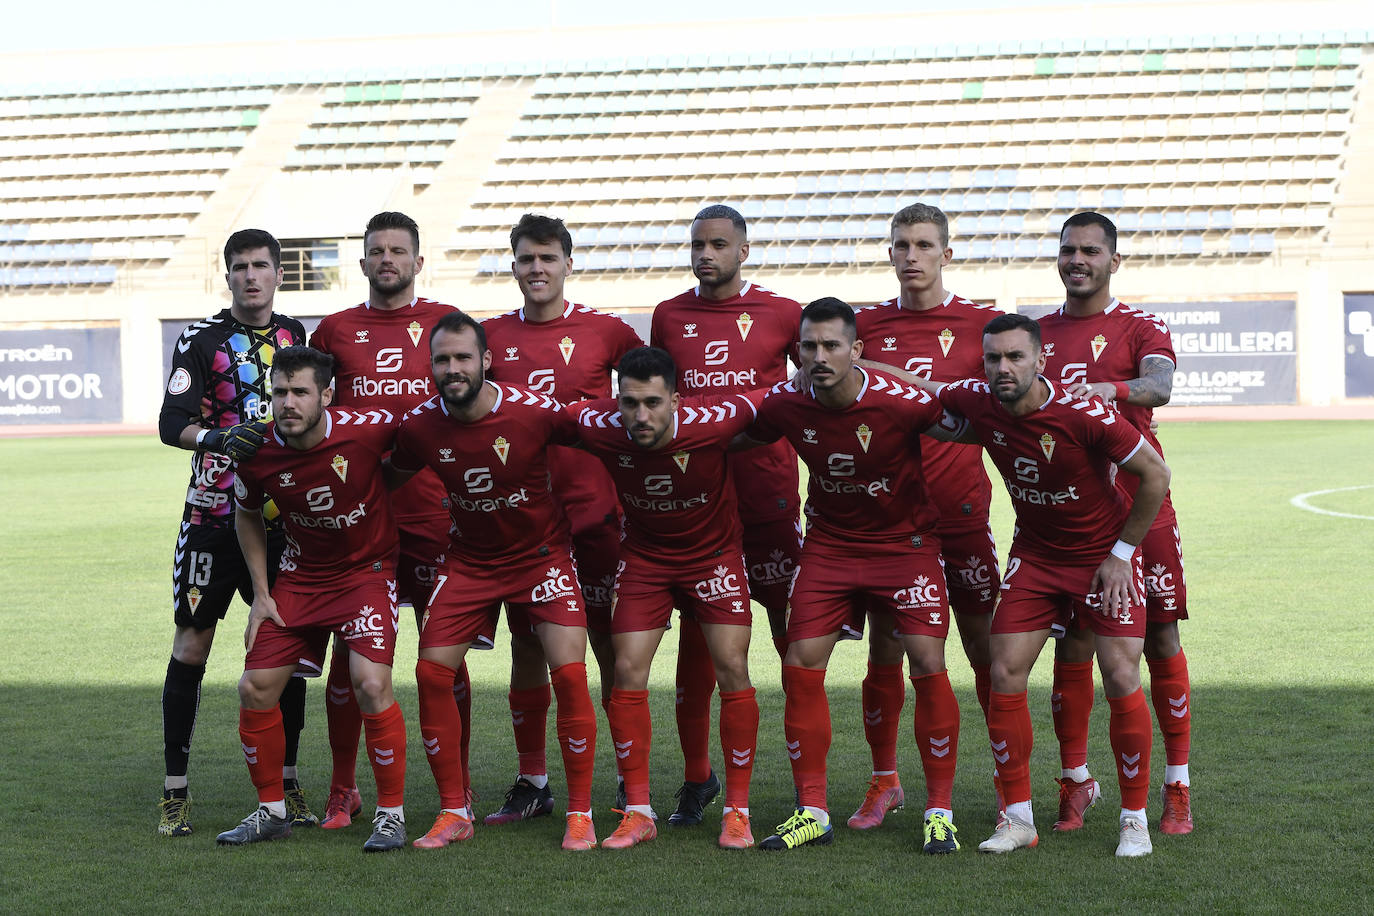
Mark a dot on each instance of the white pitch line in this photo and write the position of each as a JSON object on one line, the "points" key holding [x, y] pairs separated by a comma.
{"points": [[1301, 501]]}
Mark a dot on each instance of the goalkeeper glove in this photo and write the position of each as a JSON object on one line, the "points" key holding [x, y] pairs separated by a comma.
{"points": [[239, 442]]}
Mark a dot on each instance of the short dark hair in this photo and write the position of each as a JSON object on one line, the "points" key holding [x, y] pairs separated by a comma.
{"points": [[1011, 321], [393, 219], [644, 364], [543, 229], [830, 308], [1092, 218], [720, 211], [922, 213], [290, 360], [249, 239], [454, 322]]}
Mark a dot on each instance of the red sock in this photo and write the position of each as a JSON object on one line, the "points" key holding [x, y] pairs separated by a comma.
{"points": [[1009, 730], [576, 726], [462, 696], [1071, 701], [344, 721], [806, 725], [264, 747], [883, 693], [1169, 692], [442, 730], [1132, 734], [937, 735], [632, 732], [982, 686], [739, 733], [696, 679], [529, 713], [386, 747]]}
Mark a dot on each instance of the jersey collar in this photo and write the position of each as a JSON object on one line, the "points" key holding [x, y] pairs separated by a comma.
{"points": [[443, 405], [367, 305], [744, 290], [328, 428], [567, 310]]}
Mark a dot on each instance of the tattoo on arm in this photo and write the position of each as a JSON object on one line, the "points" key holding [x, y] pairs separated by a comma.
{"points": [[1155, 385]]}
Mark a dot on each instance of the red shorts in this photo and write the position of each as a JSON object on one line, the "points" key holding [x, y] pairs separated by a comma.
{"points": [[597, 550], [1039, 594], [835, 585], [363, 612], [423, 542], [772, 550], [466, 602], [971, 571], [715, 590], [1166, 590]]}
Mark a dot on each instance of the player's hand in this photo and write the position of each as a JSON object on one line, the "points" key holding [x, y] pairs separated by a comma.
{"points": [[1115, 581], [1105, 391], [239, 442], [264, 608]]}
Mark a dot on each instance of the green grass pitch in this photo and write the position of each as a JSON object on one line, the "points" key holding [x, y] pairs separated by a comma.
{"points": [[1283, 716]]}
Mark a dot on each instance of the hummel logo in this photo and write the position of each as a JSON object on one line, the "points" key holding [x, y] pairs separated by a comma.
{"points": [[249, 753], [384, 756], [622, 749], [794, 749], [577, 745], [1178, 706], [939, 747], [873, 716], [1129, 767], [339, 695], [431, 746], [741, 758], [1000, 752]]}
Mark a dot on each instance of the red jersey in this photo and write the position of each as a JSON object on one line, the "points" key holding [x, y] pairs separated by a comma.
{"points": [[333, 504], [679, 499], [1057, 465], [569, 358], [381, 361], [732, 347], [943, 344], [865, 484], [496, 472], [1108, 347]]}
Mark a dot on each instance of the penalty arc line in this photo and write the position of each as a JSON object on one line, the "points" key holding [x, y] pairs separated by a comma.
{"points": [[1301, 501]]}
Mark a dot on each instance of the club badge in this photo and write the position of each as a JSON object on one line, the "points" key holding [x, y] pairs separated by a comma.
{"points": [[1099, 344], [340, 466], [680, 459], [1047, 446], [565, 346], [946, 341], [415, 331], [865, 435], [502, 448], [744, 323]]}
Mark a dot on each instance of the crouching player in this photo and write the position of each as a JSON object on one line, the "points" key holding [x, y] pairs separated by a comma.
{"points": [[322, 467]]}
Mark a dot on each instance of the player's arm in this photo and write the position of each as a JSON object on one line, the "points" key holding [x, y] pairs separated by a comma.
{"points": [[393, 477], [1152, 388], [253, 543], [910, 378], [1114, 578], [952, 428]]}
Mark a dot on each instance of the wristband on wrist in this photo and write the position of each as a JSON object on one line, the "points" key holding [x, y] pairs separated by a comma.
{"points": [[1122, 391], [200, 437], [1123, 551]]}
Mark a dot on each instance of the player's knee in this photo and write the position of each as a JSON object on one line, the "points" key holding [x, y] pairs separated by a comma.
{"points": [[373, 691], [732, 673], [191, 646], [1007, 676], [1120, 674], [255, 692], [1161, 640], [1075, 647], [631, 673]]}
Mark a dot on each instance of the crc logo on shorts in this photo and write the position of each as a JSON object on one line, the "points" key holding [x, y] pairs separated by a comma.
{"points": [[923, 592], [367, 625], [1159, 581], [1073, 373], [541, 380], [921, 366], [599, 592], [390, 359], [722, 583], [478, 480], [777, 569], [839, 464], [716, 352], [557, 584], [179, 383], [319, 499], [658, 485], [1026, 469], [973, 573]]}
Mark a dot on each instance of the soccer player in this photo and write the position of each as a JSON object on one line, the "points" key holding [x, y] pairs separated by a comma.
{"points": [[1097, 346], [1074, 561], [683, 547], [322, 467], [935, 335], [868, 508], [567, 351], [509, 543], [728, 336], [217, 406], [381, 362]]}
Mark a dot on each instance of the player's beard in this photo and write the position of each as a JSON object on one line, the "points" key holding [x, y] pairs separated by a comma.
{"points": [[724, 275], [393, 286], [296, 427], [463, 401], [1015, 393]]}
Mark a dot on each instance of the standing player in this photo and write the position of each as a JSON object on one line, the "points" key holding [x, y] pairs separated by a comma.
{"points": [[509, 543], [683, 547], [935, 335], [322, 467], [1074, 561], [1096, 346], [381, 362], [730, 337], [217, 405], [566, 351], [868, 507]]}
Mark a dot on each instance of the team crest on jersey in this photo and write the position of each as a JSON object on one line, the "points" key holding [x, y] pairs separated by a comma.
{"points": [[744, 323], [286, 479], [502, 448], [680, 459], [360, 336], [689, 330], [946, 341], [340, 466], [889, 343], [1099, 344], [193, 598], [1047, 446], [415, 330], [865, 435], [809, 436], [565, 346]]}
